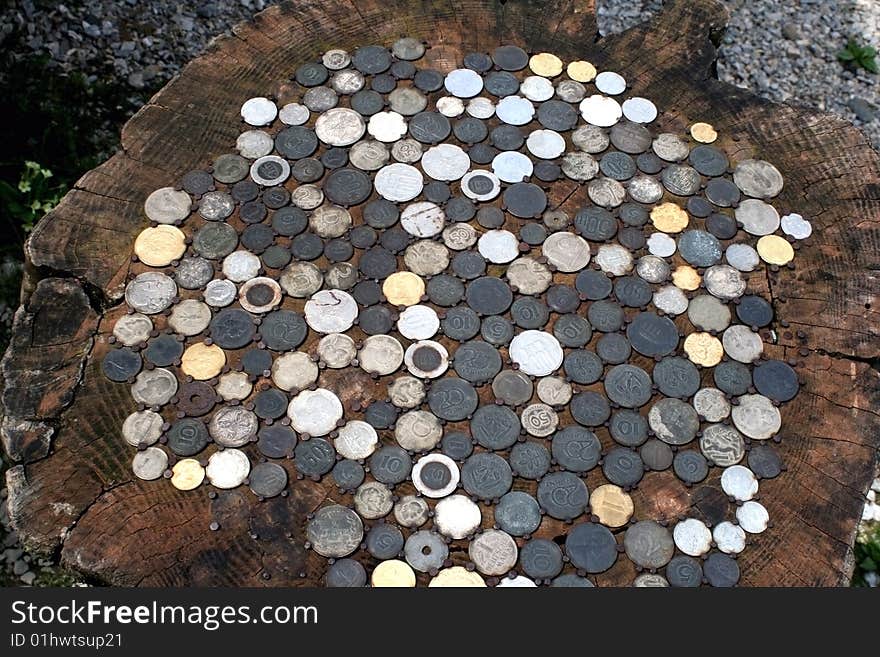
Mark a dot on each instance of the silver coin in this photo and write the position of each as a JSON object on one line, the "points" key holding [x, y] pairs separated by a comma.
{"points": [[554, 390], [228, 468], [539, 420], [418, 431], [347, 82], [154, 387], [423, 219], [234, 386], [600, 111], [407, 151], [571, 91], [233, 426], [294, 371], [215, 206], [307, 197], [711, 404], [758, 178], [278, 166], [407, 101], [518, 582], [614, 259], [673, 421], [480, 185], [515, 110], [450, 106], [512, 167], [650, 580], [408, 48], [661, 245], [356, 440], [692, 537], [133, 329], [457, 517], [399, 182], [426, 488], [537, 353], [536, 88], [142, 428], [301, 279], [611, 83], [671, 300], [579, 166], [739, 483], [459, 237], [512, 387], [262, 283], [493, 552], [742, 344], [756, 417], [757, 217], [240, 266], [529, 276], [331, 311], [380, 354], [670, 147], [320, 99], [294, 114], [254, 144], [406, 392], [149, 464], [722, 445], [742, 257], [590, 139], [336, 350], [335, 531], [373, 500], [724, 282], [411, 511], [167, 205], [315, 412], [258, 111], [648, 544], [426, 258], [545, 144], [425, 551], [340, 127], [330, 221], [463, 83], [796, 226], [336, 59], [708, 313], [387, 126], [752, 517], [606, 192], [730, 538], [498, 246], [566, 251], [151, 292], [645, 189], [190, 317], [445, 162], [418, 323], [480, 108], [639, 110], [653, 269]]}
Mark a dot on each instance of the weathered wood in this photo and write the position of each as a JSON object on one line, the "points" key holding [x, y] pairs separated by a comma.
{"points": [[73, 489]]}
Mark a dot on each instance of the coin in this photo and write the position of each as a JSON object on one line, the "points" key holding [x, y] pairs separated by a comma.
{"points": [[652, 335], [591, 547], [692, 537], [335, 531], [373, 500], [426, 359], [345, 573], [741, 344], [576, 449], [669, 218], [752, 517], [611, 505], [411, 511], [202, 362], [757, 217], [628, 385], [703, 133], [418, 431], [435, 475], [566, 252], [390, 465], [796, 226], [187, 474], [711, 404], [614, 259], [456, 577], [541, 558], [228, 468], [159, 246], [150, 292], [463, 83], [729, 538], [648, 544], [600, 111], [121, 364], [671, 300], [673, 421], [628, 428], [656, 455], [425, 551], [690, 466], [267, 480], [387, 126], [537, 353], [724, 282], [563, 495], [167, 205], [708, 313], [132, 329], [315, 412], [739, 482], [150, 463], [721, 570], [758, 178], [661, 245], [154, 387], [539, 420], [456, 516], [554, 390], [639, 110], [775, 250], [704, 349]]}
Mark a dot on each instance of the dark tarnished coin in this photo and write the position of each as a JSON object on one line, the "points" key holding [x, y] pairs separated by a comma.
{"points": [[428, 79], [618, 166], [289, 221], [345, 573], [376, 320], [427, 358], [674, 421], [460, 324], [594, 285], [486, 476], [429, 127], [562, 298], [606, 316], [652, 335], [445, 290], [533, 234], [377, 263], [649, 163], [384, 83], [518, 514], [490, 217], [507, 137], [501, 84], [495, 427], [478, 61], [676, 377], [489, 295], [276, 197], [257, 237], [252, 212], [367, 293], [460, 208], [230, 168], [384, 541], [367, 102], [632, 238], [403, 70], [311, 74], [335, 531], [187, 437], [196, 398], [656, 455], [690, 466], [613, 348], [708, 160], [477, 361], [470, 130], [296, 142], [437, 191], [563, 495], [314, 457], [699, 207], [590, 408], [699, 248], [776, 380], [348, 474], [371, 60], [721, 570], [572, 581], [496, 330], [628, 428], [307, 170], [632, 291], [306, 246], [722, 192], [557, 115], [530, 460], [525, 200], [512, 387], [591, 547], [468, 265], [623, 467], [338, 250], [722, 226], [633, 214], [595, 224], [576, 449], [684, 572], [267, 480], [649, 544], [193, 273], [283, 330], [457, 446], [452, 399], [215, 240], [753, 310], [232, 328], [628, 386], [275, 257], [510, 58], [764, 461], [732, 377], [363, 237], [572, 331], [390, 464], [540, 558], [582, 366], [482, 153], [197, 182], [276, 441], [631, 137], [529, 313], [395, 239], [245, 190], [681, 180], [162, 351], [347, 187], [270, 404]]}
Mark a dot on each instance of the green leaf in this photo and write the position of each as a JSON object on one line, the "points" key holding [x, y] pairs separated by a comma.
{"points": [[870, 65], [868, 564], [845, 55]]}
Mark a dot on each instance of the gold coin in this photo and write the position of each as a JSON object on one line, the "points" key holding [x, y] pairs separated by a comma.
{"points": [[703, 133], [686, 277], [202, 361], [457, 577], [775, 250], [612, 505], [581, 71], [403, 289], [669, 218], [160, 246], [546, 65], [393, 573], [187, 474], [703, 349]]}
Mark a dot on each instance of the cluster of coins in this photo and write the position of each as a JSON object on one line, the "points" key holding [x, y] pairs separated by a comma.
{"points": [[400, 221]]}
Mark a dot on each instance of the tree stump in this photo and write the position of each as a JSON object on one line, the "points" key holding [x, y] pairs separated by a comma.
{"points": [[72, 490]]}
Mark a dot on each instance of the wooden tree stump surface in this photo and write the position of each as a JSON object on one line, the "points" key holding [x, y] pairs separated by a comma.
{"points": [[72, 490]]}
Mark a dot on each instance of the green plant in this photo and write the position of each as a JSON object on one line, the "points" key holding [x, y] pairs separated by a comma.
{"points": [[35, 195], [867, 551], [857, 55]]}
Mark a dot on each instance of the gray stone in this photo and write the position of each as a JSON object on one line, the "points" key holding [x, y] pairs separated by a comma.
{"points": [[863, 109]]}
